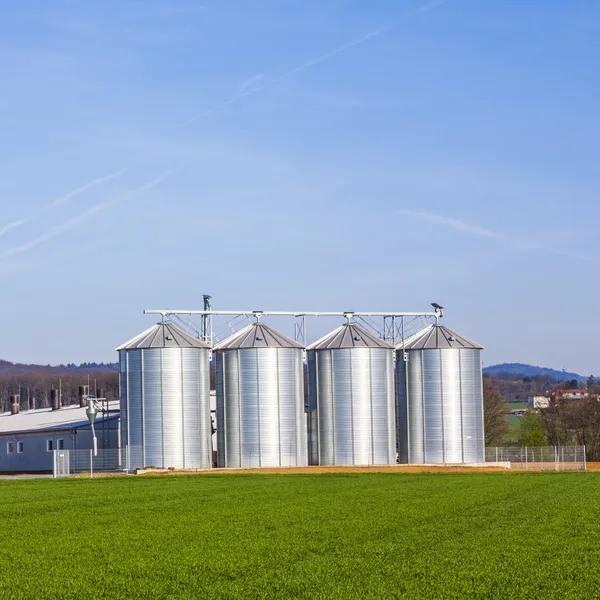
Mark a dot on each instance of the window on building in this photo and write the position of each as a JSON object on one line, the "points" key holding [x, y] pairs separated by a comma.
{"points": [[61, 444], [9, 447], [20, 447], [49, 445]]}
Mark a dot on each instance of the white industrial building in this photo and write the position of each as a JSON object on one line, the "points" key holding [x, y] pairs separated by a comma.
{"points": [[537, 402], [28, 438]]}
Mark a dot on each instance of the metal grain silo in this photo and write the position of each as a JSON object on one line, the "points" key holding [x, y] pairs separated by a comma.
{"points": [[165, 399], [260, 400], [351, 388], [440, 398]]}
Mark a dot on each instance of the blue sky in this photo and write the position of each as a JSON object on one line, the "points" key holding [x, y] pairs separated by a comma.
{"points": [[297, 154]]}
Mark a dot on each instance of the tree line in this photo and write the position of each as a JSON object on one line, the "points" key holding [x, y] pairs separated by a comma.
{"points": [[34, 388], [565, 422]]}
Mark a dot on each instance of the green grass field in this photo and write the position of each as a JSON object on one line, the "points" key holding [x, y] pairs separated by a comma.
{"points": [[517, 405], [514, 424], [303, 536]]}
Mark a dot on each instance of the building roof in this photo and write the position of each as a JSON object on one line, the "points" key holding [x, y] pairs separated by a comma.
{"points": [[163, 335], [349, 335], [437, 336], [257, 335], [46, 419]]}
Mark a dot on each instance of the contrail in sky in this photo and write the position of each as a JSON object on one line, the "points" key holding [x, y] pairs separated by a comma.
{"points": [[450, 222], [66, 197], [246, 89], [9, 226], [307, 65], [70, 224], [52, 233], [313, 62], [472, 229], [89, 185]]}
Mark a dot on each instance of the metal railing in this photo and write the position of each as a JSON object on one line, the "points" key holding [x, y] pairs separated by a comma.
{"points": [[539, 458]]}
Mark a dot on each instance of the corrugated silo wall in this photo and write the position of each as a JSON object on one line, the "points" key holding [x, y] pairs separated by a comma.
{"points": [[440, 406], [168, 408], [401, 409], [312, 416], [123, 411], [260, 408], [354, 389], [135, 436], [233, 420]]}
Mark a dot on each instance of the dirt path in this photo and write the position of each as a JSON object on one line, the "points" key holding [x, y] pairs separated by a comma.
{"points": [[318, 470]]}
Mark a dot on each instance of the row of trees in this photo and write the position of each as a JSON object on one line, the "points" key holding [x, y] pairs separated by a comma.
{"points": [[34, 389], [496, 425], [514, 386], [564, 423], [573, 422]]}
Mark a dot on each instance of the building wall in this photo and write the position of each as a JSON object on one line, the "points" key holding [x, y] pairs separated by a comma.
{"points": [[539, 402], [36, 457]]}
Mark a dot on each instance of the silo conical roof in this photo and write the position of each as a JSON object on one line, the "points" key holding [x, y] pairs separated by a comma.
{"points": [[257, 335], [349, 335], [435, 337], [163, 335]]}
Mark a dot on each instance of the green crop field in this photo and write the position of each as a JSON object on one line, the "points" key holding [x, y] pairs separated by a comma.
{"points": [[514, 424], [517, 405], [303, 536]]}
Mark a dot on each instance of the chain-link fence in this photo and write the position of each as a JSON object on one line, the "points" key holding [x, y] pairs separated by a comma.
{"points": [[72, 462], [539, 458]]}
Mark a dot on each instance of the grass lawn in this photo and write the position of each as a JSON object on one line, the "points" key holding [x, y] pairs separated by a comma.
{"points": [[512, 433], [514, 422], [530, 535], [517, 405]]}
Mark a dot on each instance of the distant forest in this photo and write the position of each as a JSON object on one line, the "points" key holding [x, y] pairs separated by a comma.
{"points": [[524, 370], [34, 382], [517, 387], [10, 368]]}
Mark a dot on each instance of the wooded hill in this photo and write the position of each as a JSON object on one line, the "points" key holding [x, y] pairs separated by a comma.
{"points": [[34, 382]]}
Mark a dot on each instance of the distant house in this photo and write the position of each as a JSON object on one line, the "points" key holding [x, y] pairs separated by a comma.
{"points": [[537, 402], [570, 394]]}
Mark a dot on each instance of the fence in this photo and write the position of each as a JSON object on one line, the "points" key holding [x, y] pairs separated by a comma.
{"points": [[539, 458], [71, 462], [108, 460]]}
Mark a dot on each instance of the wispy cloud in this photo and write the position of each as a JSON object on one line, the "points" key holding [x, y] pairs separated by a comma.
{"points": [[10, 226], [477, 230], [246, 90], [342, 48], [54, 232], [422, 10], [161, 10], [65, 198], [249, 83], [73, 222], [451, 222], [89, 185], [249, 91]]}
